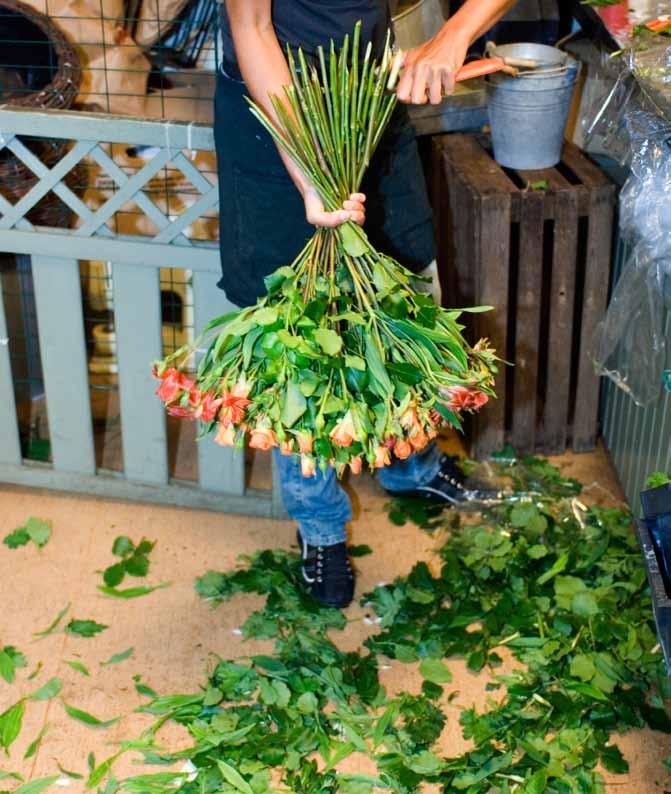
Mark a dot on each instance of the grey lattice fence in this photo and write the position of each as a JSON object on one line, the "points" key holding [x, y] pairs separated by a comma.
{"points": [[161, 236]]}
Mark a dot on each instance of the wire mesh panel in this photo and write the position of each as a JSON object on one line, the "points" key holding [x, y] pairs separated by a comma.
{"points": [[133, 57]]}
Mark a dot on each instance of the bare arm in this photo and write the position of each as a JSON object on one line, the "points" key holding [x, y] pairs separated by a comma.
{"points": [[265, 72], [430, 69]]}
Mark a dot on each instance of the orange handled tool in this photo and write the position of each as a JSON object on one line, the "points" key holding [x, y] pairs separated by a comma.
{"points": [[482, 67]]}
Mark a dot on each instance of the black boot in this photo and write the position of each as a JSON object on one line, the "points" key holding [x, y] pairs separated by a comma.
{"points": [[451, 486], [328, 573]]}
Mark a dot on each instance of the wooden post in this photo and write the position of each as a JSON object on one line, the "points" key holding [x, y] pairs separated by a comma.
{"points": [[60, 320], [220, 469], [137, 323]]}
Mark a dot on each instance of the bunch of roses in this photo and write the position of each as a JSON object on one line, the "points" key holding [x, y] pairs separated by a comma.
{"points": [[343, 360]]}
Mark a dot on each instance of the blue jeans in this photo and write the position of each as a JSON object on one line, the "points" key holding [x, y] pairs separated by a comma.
{"points": [[322, 508]]}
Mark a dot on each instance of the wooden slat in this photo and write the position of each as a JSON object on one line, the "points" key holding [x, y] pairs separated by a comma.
{"points": [[10, 446], [595, 301], [529, 283], [137, 322], [561, 322], [130, 189], [458, 208], [588, 172], [492, 281], [277, 503], [60, 320], [476, 166], [220, 469]]}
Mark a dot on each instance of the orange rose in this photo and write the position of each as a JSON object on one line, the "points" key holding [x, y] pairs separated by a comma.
{"points": [[344, 433], [172, 383], [409, 419], [463, 398], [419, 440], [355, 465], [241, 389], [382, 457], [233, 407], [339, 467], [308, 466], [263, 438], [225, 435], [402, 449], [208, 407], [305, 441], [287, 447]]}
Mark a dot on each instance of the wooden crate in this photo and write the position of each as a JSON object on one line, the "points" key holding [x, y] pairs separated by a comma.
{"points": [[542, 257]]}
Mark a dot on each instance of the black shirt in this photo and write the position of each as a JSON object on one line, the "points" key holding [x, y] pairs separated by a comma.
{"points": [[310, 23]]}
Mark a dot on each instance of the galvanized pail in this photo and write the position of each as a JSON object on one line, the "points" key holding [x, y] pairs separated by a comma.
{"points": [[528, 113]]}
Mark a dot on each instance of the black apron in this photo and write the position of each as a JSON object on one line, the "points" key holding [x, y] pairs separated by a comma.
{"points": [[262, 214], [312, 23]]}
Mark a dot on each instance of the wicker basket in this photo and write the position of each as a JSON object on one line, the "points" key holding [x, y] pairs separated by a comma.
{"points": [[16, 179]]}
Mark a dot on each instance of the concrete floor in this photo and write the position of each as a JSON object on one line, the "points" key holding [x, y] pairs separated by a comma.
{"points": [[174, 632]]}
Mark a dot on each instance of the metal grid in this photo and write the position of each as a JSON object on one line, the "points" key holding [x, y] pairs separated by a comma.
{"points": [[145, 58], [638, 438]]}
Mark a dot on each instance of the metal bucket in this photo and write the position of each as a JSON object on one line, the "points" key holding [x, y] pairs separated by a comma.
{"points": [[414, 25], [528, 113]]}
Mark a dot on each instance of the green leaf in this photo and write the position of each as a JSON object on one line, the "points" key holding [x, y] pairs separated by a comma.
{"points": [[353, 239], [48, 690], [144, 689], [10, 659], [435, 671], [19, 537], [131, 592], [470, 778], [265, 316], [307, 703], [13, 775], [657, 480], [97, 773], [38, 530], [114, 574], [292, 404], [426, 763], [559, 565], [406, 373], [123, 546], [52, 626], [613, 760], [68, 773], [585, 605], [88, 719], [85, 628], [582, 667], [11, 721], [361, 550], [355, 362], [380, 382], [233, 777], [32, 747], [137, 564], [78, 666], [329, 341], [37, 786], [119, 657]]}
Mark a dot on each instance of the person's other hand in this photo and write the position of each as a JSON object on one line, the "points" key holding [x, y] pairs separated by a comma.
{"points": [[429, 71], [352, 210], [432, 287]]}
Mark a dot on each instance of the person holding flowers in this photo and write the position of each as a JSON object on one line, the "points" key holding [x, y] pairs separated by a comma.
{"points": [[268, 210]]}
